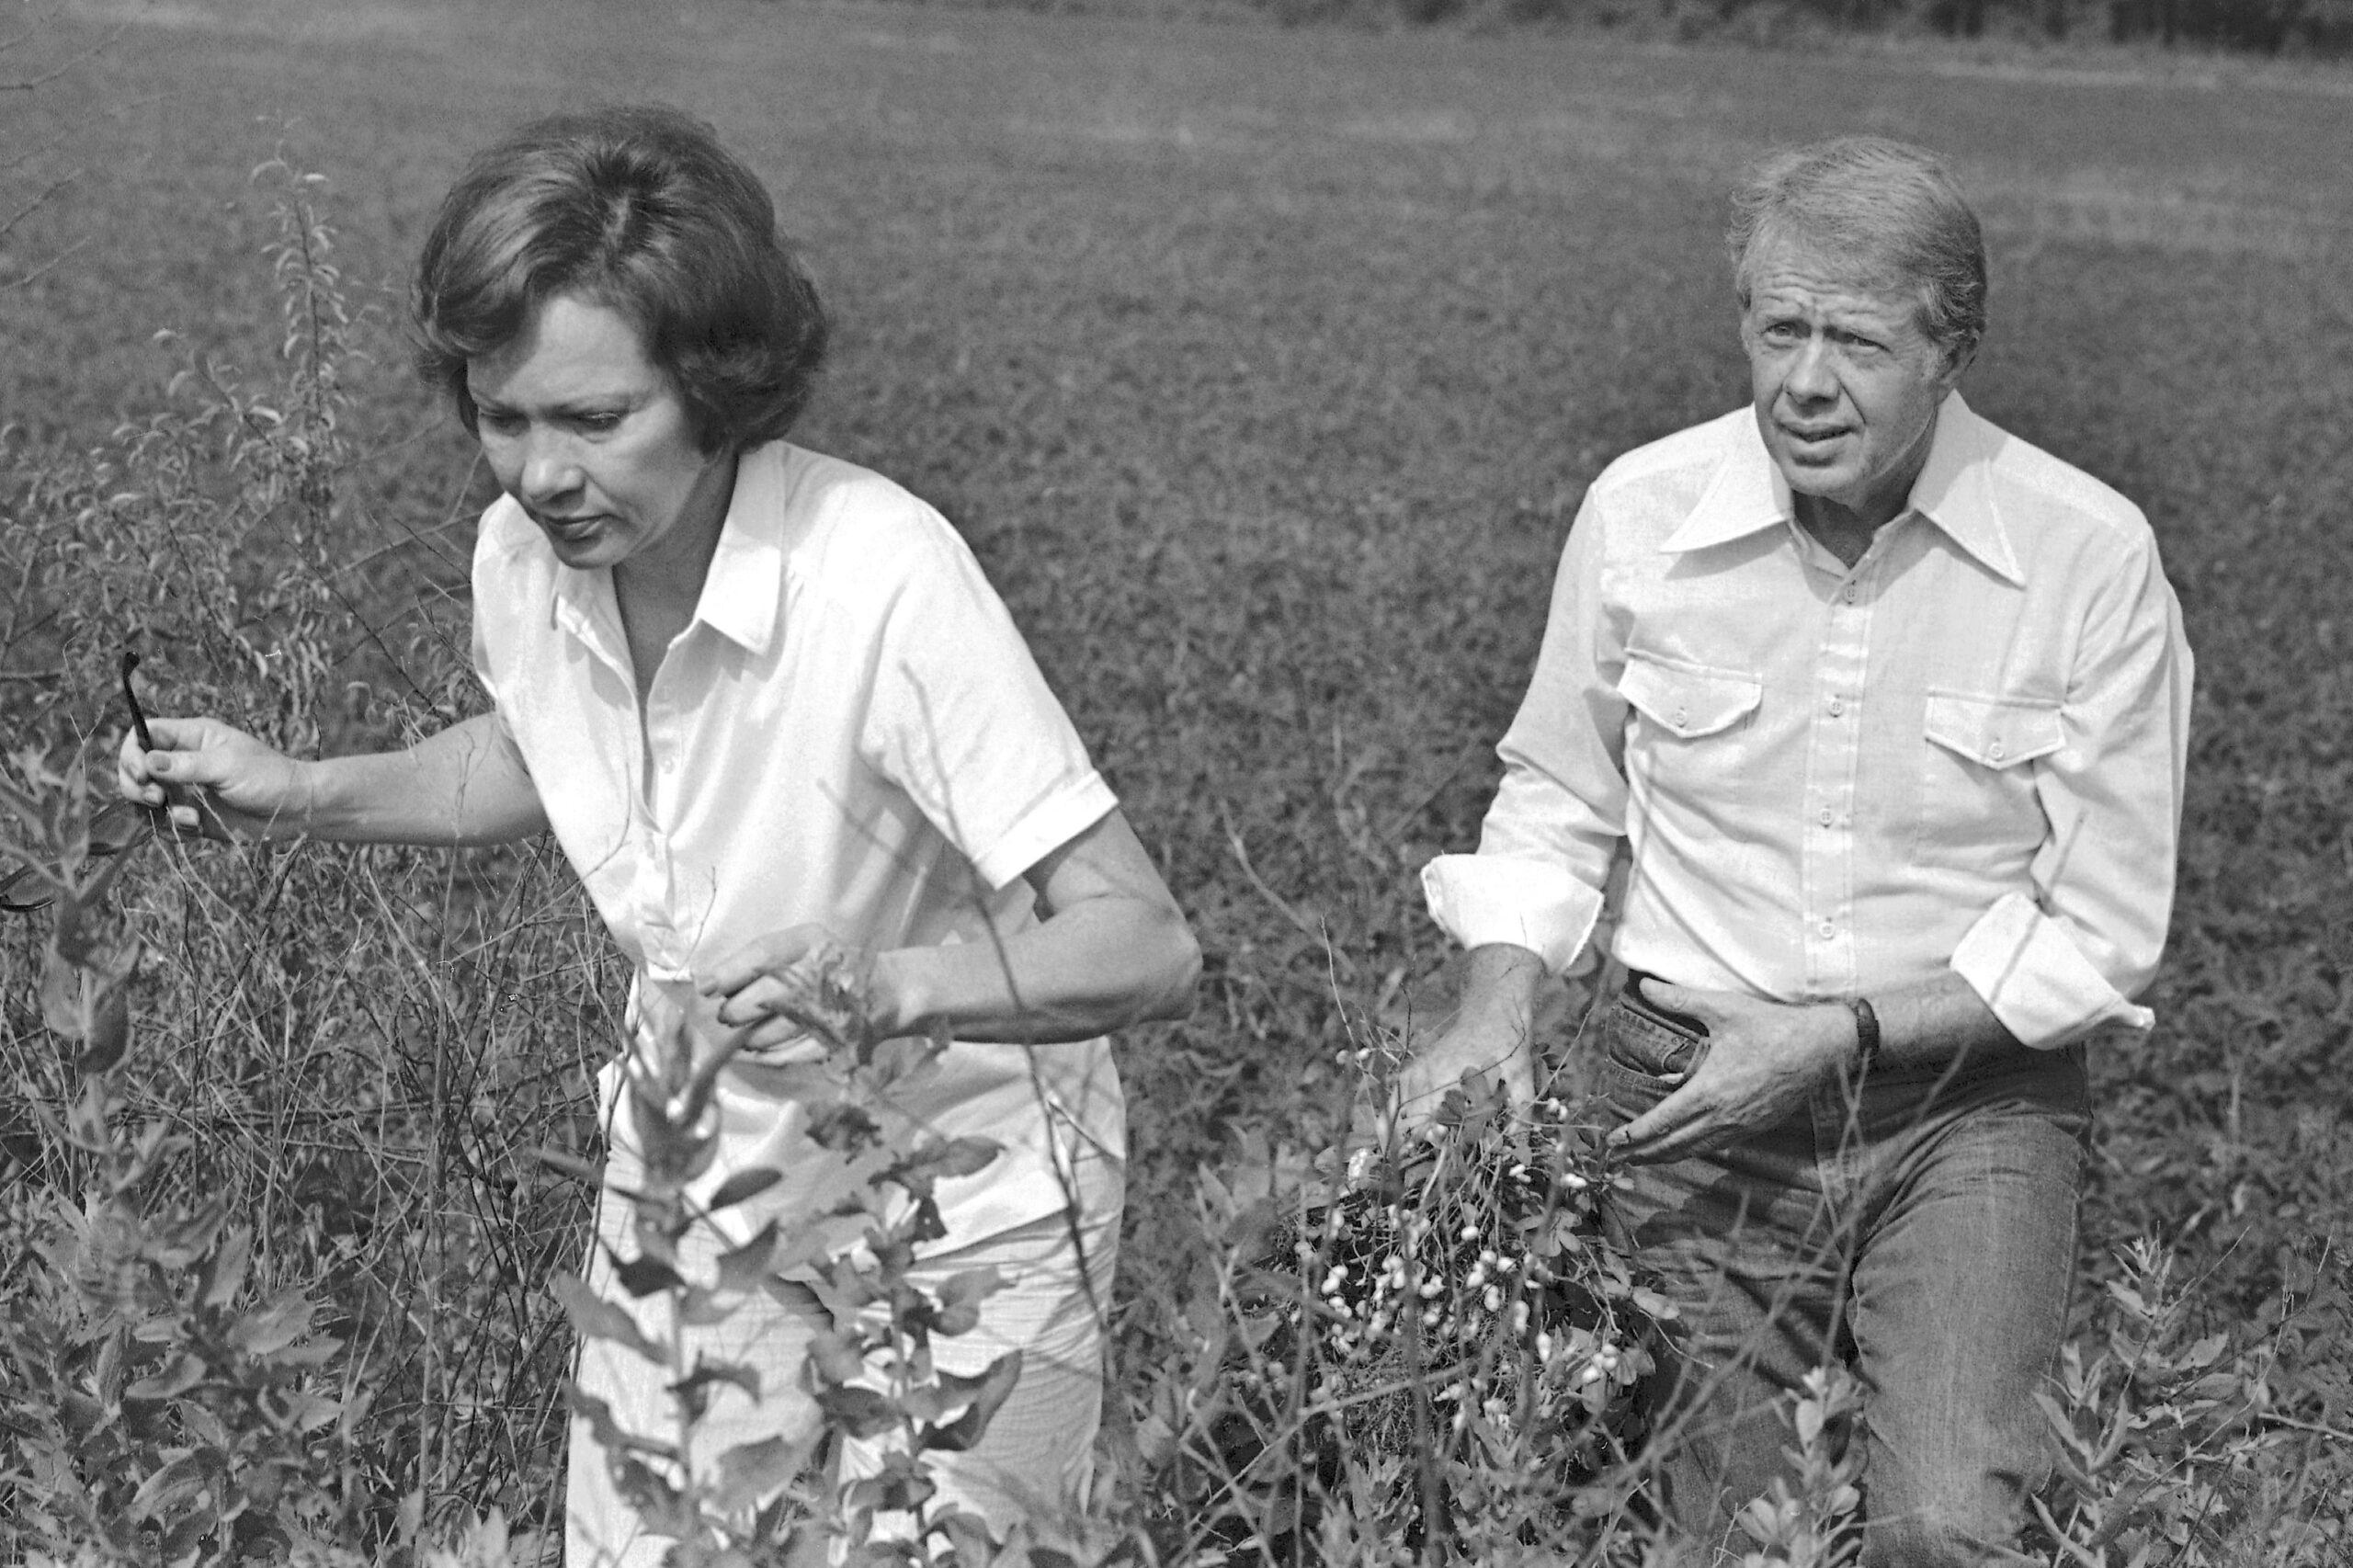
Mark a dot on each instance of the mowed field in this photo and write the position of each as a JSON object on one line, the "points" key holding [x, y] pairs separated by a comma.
{"points": [[1265, 369]]}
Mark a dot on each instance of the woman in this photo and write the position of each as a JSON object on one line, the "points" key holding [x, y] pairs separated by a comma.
{"points": [[774, 714]]}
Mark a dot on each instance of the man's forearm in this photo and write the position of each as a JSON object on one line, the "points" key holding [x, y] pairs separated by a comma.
{"points": [[1934, 1021], [1498, 994]]}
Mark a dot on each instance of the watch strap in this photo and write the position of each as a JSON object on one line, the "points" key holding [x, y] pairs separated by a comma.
{"points": [[1865, 1033]]}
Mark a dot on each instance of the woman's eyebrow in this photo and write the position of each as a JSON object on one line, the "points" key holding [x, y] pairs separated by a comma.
{"points": [[618, 402]]}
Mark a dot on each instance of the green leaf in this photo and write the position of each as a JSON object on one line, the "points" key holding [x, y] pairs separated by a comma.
{"points": [[986, 1392], [971, 1284], [307, 1410], [593, 1317], [962, 1156], [192, 1236], [743, 1267], [61, 996], [270, 1328], [743, 1185], [106, 1032], [751, 1472], [701, 1307], [857, 1412], [642, 1275], [178, 1375], [660, 1506], [164, 1492], [570, 1164], [841, 1127], [899, 1487], [224, 1271], [610, 1437], [693, 1391], [960, 1298], [837, 1358]]}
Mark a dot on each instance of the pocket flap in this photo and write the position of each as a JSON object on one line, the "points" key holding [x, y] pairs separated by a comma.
{"points": [[1688, 701], [1994, 732]]}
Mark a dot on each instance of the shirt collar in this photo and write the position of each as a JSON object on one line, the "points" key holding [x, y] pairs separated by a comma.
{"points": [[1747, 493], [1955, 490], [741, 590], [747, 576]]}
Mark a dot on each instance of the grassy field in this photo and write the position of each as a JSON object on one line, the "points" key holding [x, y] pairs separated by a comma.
{"points": [[1265, 368]]}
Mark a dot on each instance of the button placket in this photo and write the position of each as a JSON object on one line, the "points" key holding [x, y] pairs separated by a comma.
{"points": [[1826, 853]]}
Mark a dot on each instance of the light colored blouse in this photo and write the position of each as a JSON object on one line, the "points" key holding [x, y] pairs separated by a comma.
{"points": [[1965, 752], [852, 733]]}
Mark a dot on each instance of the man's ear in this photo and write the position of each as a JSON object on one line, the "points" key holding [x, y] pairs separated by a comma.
{"points": [[1959, 356]]}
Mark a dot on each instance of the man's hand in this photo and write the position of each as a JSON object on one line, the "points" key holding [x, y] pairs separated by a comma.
{"points": [[212, 779], [1466, 1046], [1764, 1059], [1492, 1031]]}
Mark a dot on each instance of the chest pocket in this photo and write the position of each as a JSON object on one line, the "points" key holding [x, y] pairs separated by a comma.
{"points": [[1685, 741], [1977, 803]]}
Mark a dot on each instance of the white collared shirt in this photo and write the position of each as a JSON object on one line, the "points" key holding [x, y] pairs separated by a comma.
{"points": [[1964, 752], [852, 733]]}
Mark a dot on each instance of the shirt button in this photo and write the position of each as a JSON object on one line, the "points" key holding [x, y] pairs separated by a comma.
{"points": [[1830, 929], [1681, 718], [1850, 593], [670, 762], [1997, 751], [1826, 817], [1837, 706]]}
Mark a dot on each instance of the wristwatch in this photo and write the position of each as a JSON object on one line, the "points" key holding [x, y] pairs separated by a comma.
{"points": [[1865, 1033]]}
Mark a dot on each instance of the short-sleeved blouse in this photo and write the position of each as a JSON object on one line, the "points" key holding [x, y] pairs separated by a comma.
{"points": [[852, 733]]}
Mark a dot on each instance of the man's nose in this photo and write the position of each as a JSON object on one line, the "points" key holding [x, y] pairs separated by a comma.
{"points": [[1811, 377]]}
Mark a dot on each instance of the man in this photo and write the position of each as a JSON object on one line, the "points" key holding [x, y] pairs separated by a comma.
{"points": [[1888, 709]]}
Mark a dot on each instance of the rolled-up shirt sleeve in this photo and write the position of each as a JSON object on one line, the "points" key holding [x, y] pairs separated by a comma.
{"points": [[489, 552], [2071, 958], [1545, 848]]}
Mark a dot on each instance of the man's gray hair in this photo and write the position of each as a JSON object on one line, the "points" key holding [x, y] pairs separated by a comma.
{"points": [[1891, 208]]}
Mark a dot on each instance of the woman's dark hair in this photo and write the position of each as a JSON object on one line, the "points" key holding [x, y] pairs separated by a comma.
{"points": [[641, 209]]}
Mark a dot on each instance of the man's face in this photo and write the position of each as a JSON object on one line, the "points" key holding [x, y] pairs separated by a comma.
{"points": [[1846, 382]]}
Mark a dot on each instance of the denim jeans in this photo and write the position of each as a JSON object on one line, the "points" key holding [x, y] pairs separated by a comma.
{"points": [[1919, 1228]]}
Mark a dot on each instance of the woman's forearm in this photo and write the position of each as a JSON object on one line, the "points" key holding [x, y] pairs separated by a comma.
{"points": [[463, 786], [1097, 966], [1113, 949]]}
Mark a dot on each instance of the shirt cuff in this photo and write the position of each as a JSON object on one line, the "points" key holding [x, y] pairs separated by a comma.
{"points": [[1078, 804], [1480, 900], [2037, 981]]}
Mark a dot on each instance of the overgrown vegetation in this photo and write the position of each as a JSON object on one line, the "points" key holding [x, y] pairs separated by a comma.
{"points": [[1270, 442]]}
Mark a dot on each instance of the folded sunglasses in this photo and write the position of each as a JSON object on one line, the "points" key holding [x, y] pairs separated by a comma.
{"points": [[117, 827]]}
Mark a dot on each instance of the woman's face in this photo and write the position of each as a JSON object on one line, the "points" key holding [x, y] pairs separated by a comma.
{"points": [[592, 437]]}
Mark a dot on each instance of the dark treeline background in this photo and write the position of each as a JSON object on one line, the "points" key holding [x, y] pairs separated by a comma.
{"points": [[2314, 28]]}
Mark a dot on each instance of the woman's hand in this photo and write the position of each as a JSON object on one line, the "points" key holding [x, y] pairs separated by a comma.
{"points": [[1112, 949], [796, 989], [211, 779]]}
